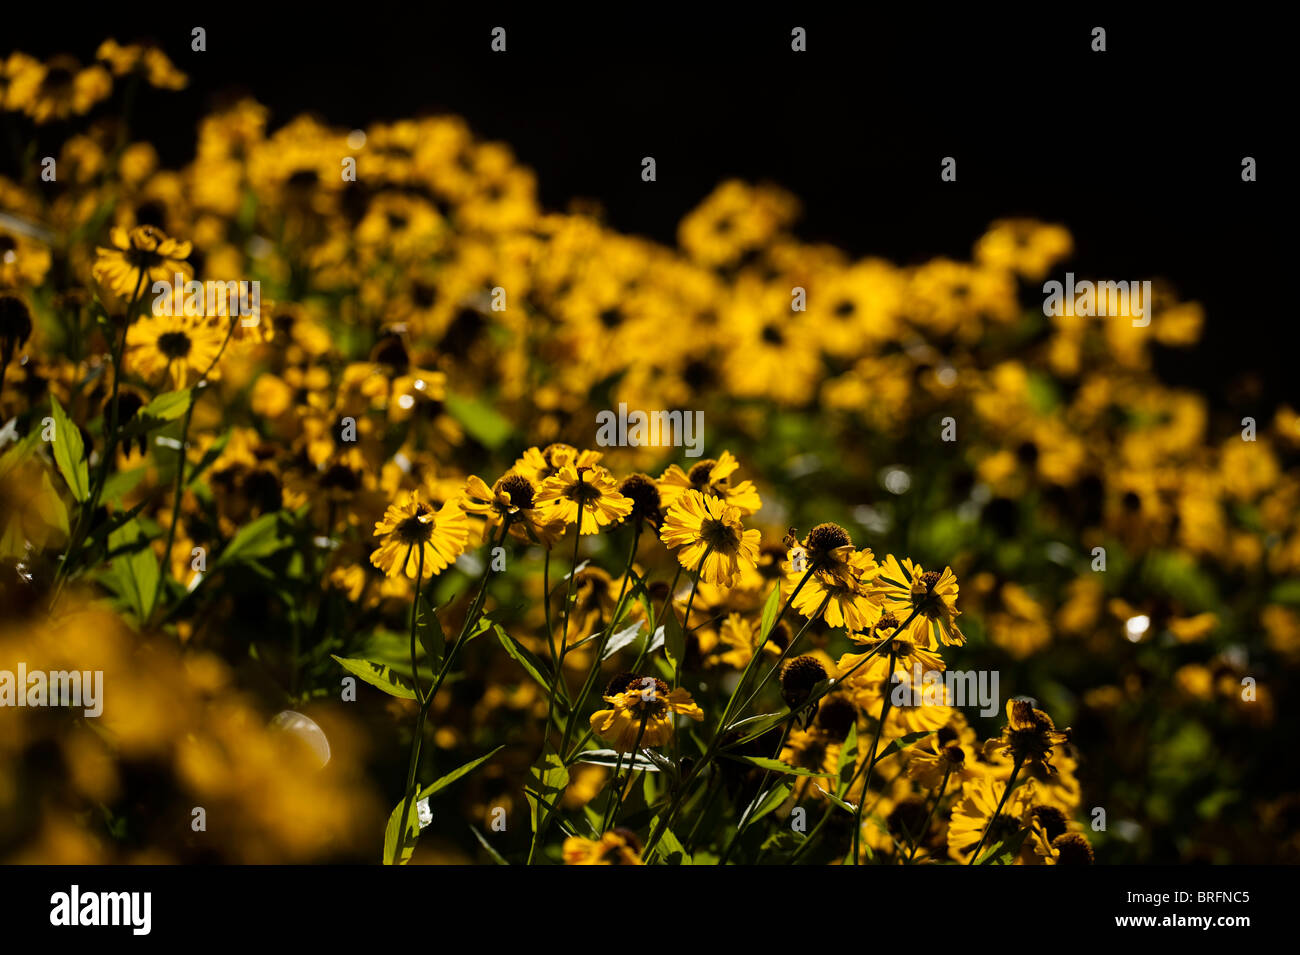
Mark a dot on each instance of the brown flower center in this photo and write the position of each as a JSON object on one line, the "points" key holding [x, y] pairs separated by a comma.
{"points": [[175, 345]]}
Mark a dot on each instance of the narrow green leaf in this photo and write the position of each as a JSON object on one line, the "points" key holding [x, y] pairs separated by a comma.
{"points": [[902, 743], [482, 840], [769, 800], [770, 610], [527, 659], [442, 783], [756, 726], [775, 765], [377, 675], [848, 807]]}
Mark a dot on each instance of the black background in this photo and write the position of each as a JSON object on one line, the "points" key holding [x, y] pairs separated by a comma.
{"points": [[1137, 150]]}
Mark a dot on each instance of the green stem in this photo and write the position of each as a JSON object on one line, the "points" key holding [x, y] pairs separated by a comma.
{"points": [[415, 615], [626, 785], [758, 651], [1015, 771], [417, 743], [87, 511], [576, 707], [925, 826], [885, 705], [744, 823], [180, 469], [714, 744]]}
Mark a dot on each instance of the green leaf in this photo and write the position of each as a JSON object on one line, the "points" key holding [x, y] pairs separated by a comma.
{"points": [[135, 567], [756, 726], [848, 807], [1005, 851], [611, 758], [484, 424], [162, 410], [674, 639], [528, 660], [68, 452], [259, 538], [1286, 592], [431, 636], [770, 610], [169, 406], [847, 763], [546, 783], [674, 853], [768, 801], [482, 840], [121, 483], [209, 456], [399, 838], [377, 675], [901, 744], [775, 765], [443, 782]]}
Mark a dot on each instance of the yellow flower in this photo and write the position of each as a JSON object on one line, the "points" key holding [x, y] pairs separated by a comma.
{"points": [[10, 70], [537, 464], [23, 261], [713, 478], [1024, 246], [880, 643], [972, 813], [587, 493], [641, 707], [939, 755], [734, 219], [1027, 738], [708, 530], [736, 642], [817, 751], [185, 348], [139, 258], [512, 499], [152, 62], [411, 527], [845, 588], [58, 89], [929, 599], [616, 847]]}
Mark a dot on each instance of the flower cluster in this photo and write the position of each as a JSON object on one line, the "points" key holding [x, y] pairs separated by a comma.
{"points": [[384, 476]]}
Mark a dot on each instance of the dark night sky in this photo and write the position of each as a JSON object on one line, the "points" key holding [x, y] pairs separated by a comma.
{"points": [[1137, 150]]}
